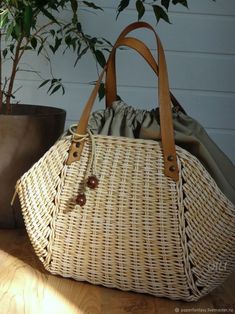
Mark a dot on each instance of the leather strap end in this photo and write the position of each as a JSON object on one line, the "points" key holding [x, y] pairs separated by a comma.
{"points": [[75, 152], [171, 169]]}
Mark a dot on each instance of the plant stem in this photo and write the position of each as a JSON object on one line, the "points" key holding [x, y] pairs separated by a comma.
{"points": [[1, 91], [12, 77], [16, 60]]}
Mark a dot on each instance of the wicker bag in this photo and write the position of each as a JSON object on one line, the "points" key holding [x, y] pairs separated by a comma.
{"points": [[134, 214]]}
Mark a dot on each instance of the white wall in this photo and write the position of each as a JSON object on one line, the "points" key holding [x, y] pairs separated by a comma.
{"points": [[200, 51]]}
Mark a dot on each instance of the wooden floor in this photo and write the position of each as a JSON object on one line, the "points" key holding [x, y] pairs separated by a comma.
{"points": [[26, 288]]}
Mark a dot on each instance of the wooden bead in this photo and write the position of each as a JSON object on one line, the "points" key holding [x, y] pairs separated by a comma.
{"points": [[81, 199], [172, 168], [92, 182]]}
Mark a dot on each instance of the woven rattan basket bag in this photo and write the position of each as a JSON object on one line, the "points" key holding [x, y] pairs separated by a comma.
{"points": [[134, 214]]}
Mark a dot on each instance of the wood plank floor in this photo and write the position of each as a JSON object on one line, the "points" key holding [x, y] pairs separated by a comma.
{"points": [[26, 288]]}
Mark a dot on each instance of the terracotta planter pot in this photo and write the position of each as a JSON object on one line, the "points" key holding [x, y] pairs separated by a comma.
{"points": [[25, 135]]}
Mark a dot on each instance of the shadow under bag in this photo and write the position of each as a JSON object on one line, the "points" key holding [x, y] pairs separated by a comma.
{"points": [[130, 202]]}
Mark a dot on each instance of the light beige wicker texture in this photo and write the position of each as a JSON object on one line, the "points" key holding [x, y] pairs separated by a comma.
{"points": [[139, 230]]}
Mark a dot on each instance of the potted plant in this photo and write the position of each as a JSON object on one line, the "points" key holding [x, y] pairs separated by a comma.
{"points": [[27, 131]]}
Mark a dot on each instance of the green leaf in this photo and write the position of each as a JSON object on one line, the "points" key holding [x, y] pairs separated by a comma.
{"points": [[57, 43], [74, 43], [182, 2], [42, 41], [83, 52], [106, 49], [16, 31], [140, 8], [79, 47], [28, 15], [122, 6], [51, 86], [12, 47], [9, 30], [165, 3], [92, 5], [48, 15], [43, 83], [52, 31], [101, 91], [79, 27], [108, 42], [74, 5], [68, 40], [26, 47], [100, 58], [92, 42], [4, 52], [40, 49], [34, 42], [160, 13], [55, 89], [3, 19]]}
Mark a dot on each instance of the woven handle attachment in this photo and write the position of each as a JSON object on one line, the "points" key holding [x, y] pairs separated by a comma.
{"points": [[166, 123]]}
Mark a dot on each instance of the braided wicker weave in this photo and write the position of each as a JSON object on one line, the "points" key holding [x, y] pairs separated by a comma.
{"points": [[141, 229]]}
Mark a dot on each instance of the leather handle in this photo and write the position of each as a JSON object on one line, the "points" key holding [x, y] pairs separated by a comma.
{"points": [[144, 51], [111, 81], [166, 122]]}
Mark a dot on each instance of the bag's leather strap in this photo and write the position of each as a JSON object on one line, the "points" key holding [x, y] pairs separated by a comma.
{"points": [[144, 51], [111, 82], [166, 122]]}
